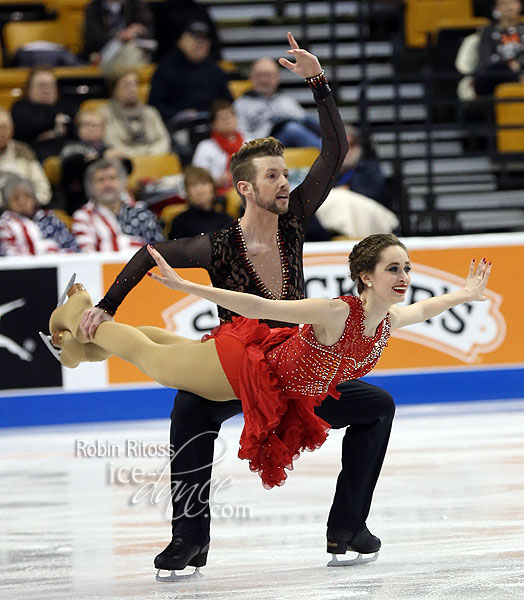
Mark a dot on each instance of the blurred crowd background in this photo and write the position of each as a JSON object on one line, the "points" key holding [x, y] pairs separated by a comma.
{"points": [[118, 118]]}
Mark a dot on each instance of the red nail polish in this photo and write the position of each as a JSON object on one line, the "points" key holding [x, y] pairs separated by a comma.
{"points": [[148, 274]]}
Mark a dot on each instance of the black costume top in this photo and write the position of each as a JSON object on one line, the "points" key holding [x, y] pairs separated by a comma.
{"points": [[224, 255]]}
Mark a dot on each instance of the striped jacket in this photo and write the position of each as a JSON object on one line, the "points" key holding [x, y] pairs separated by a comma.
{"points": [[44, 233], [97, 229]]}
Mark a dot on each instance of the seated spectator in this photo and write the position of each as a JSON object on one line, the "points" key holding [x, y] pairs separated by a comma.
{"points": [[352, 215], [466, 64], [361, 171], [18, 158], [111, 220], [118, 33], [25, 228], [41, 118], [187, 80], [77, 154], [501, 49], [200, 217], [171, 16], [265, 111], [215, 153], [131, 126]]}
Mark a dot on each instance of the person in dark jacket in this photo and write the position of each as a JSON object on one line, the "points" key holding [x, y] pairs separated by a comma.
{"points": [[200, 217], [41, 118], [187, 80], [501, 49], [170, 19], [106, 21]]}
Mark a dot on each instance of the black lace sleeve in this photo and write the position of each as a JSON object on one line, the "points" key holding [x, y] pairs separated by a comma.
{"points": [[310, 194], [185, 252]]}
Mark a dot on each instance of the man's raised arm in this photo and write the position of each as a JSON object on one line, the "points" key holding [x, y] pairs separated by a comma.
{"points": [[321, 177]]}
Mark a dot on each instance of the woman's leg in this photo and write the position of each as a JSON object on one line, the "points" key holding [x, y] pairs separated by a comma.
{"points": [[162, 336], [175, 362], [184, 364]]}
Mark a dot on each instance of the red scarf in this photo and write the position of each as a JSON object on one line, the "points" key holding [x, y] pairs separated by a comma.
{"points": [[229, 144]]}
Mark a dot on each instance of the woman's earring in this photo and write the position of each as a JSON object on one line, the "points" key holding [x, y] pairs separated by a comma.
{"points": [[369, 284]]}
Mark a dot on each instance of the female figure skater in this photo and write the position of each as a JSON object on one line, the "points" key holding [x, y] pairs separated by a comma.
{"points": [[280, 375]]}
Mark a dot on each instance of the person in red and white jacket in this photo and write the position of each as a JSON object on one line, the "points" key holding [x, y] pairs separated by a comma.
{"points": [[111, 220], [25, 228]]}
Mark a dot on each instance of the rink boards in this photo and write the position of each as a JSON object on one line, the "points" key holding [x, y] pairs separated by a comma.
{"points": [[471, 352]]}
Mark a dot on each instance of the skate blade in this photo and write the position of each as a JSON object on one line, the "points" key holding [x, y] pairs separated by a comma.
{"points": [[47, 341], [359, 560], [62, 298], [174, 577]]}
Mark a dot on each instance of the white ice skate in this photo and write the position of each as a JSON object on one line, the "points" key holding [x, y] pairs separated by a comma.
{"points": [[174, 577], [46, 337], [361, 559]]}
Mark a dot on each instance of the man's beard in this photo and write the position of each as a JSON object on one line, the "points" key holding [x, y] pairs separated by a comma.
{"points": [[272, 205]]}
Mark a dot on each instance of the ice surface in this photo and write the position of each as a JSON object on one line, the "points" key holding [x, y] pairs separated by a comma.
{"points": [[449, 508]]}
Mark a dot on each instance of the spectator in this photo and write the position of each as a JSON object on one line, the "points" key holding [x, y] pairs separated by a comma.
{"points": [[361, 170], [77, 154], [215, 153], [111, 220], [18, 158], [187, 79], [200, 217], [118, 33], [171, 16], [131, 126], [41, 118], [501, 49], [265, 111], [25, 228]]}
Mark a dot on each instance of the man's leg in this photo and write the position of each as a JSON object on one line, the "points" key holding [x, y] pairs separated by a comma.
{"points": [[369, 412], [195, 424]]}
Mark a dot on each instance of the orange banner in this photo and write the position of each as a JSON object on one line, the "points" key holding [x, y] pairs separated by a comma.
{"points": [[480, 334]]}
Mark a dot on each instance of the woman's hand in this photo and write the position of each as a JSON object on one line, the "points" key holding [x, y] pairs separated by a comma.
{"points": [[168, 277], [477, 280], [306, 64]]}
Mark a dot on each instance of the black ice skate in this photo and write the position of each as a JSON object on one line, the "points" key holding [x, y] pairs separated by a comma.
{"points": [[363, 543], [179, 554]]}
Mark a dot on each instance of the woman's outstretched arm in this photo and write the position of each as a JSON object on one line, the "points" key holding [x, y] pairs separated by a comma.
{"points": [[473, 290], [317, 311]]}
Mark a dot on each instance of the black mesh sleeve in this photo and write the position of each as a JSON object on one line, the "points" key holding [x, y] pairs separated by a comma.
{"points": [[184, 252], [310, 194]]}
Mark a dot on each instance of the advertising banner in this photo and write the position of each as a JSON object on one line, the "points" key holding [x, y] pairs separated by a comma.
{"points": [[478, 334]]}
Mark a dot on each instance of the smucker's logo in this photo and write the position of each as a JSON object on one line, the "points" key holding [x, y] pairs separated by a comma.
{"points": [[463, 332]]}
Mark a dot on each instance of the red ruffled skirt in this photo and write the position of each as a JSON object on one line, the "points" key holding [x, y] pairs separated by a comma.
{"points": [[278, 425]]}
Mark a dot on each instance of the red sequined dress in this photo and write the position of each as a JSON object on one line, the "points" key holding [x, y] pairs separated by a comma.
{"points": [[281, 374]]}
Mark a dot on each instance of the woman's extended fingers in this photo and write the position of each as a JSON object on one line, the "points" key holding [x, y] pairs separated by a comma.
{"points": [[471, 268]]}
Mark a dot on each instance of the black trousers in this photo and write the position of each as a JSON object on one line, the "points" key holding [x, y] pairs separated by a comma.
{"points": [[366, 410]]}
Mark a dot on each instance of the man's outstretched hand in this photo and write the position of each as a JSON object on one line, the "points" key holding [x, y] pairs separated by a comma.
{"points": [[305, 65]]}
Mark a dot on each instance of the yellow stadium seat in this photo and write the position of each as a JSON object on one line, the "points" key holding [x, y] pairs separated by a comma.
{"points": [[169, 212], [237, 87], [53, 169], [421, 16], [154, 167], [510, 113], [19, 33], [298, 158], [9, 96]]}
